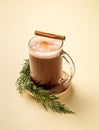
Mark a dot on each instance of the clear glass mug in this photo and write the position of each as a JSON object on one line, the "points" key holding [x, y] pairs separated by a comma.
{"points": [[46, 67]]}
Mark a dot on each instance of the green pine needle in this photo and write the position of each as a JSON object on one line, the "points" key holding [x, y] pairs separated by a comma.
{"points": [[41, 95]]}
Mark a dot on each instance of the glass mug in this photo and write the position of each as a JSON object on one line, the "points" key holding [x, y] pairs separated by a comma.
{"points": [[46, 58]]}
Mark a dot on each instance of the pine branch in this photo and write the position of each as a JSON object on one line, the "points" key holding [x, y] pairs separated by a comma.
{"points": [[41, 95]]}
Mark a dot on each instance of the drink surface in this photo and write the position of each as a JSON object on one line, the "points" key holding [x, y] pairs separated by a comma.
{"points": [[45, 47], [45, 44]]}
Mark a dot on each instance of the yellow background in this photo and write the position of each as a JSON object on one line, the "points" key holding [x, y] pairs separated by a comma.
{"points": [[79, 21]]}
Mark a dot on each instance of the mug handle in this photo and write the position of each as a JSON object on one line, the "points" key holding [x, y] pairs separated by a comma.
{"points": [[71, 66]]}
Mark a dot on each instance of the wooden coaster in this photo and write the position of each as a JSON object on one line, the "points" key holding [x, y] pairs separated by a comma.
{"points": [[60, 89]]}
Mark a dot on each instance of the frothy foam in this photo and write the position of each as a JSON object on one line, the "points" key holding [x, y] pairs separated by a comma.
{"points": [[45, 47], [45, 44]]}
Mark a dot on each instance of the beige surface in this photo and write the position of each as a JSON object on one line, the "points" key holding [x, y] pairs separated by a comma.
{"points": [[79, 21]]}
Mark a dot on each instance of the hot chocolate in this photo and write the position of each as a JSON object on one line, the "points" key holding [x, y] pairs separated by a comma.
{"points": [[45, 61]]}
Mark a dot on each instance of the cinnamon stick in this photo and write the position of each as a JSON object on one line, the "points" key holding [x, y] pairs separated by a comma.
{"points": [[50, 35]]}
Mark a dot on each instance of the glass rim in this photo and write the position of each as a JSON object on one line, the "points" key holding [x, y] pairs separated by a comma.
{"points": [[44, 50]]}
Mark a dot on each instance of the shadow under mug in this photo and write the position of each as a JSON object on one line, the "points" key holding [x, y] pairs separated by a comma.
{"points": [[46, 67]]}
